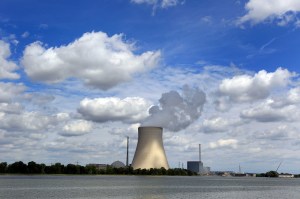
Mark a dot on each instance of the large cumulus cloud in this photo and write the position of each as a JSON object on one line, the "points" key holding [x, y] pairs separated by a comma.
{"points": [[99, 60], [246, 88], [284, 11], [76, 128], [130, 109]]}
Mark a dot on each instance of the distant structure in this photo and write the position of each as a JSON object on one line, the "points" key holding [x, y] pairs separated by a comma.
{"points": [[127, 156], [197, 166], [98, 166], [150, 151], [118, 164], [199, 152], [286, 176], [240, 173]]}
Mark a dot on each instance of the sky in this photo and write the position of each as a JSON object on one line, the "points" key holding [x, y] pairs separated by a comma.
{"points": [[76, 79]]}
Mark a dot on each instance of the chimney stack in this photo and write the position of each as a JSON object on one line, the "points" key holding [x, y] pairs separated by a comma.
{"points": [[199, 152], [127, 156]]}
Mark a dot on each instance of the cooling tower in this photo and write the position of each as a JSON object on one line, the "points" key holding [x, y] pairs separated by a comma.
{"points": [[150, 151]]}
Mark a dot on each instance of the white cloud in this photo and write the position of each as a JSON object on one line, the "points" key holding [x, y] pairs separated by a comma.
{"points": [[130, 109], [77, 128], [39, 98], [266, 113], [15, 108], [215, 125], [169, 3], [26, 121], [297, 23], [222, 104], [10, 91], [207, 19], [130, 130], [25, 34], [177, 141], [279, 133], [284, 11], [99, 60], [7, 67], [224, 143], [158, 3], [245, 88], [294, 95]]}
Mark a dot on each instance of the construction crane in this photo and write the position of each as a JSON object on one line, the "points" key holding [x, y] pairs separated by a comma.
{"points": [[278, 166]]}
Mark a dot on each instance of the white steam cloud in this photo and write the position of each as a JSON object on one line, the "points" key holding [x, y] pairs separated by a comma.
{"points": [[176, 112]]}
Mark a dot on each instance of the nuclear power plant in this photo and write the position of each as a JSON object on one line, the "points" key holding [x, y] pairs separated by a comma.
{"points": [[150, 151]]}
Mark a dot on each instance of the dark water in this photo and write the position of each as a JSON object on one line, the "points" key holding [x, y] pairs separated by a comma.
{"points": [[146, 187]]}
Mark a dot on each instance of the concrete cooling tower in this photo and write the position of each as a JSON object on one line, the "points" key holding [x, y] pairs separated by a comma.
{"points": [[150, 151]]}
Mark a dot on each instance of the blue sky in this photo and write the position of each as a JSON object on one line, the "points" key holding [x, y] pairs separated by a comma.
{"points": [[186, 33], [77, 78]]}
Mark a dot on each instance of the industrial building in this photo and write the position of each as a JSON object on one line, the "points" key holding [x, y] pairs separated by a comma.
{"points": [[118, 164], [197, 166], [150, 151]]}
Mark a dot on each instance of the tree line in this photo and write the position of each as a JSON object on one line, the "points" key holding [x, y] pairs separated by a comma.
{"points": [[58, 168], [275, 174]]}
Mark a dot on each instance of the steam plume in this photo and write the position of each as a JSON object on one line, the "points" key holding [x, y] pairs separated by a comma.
{"points": [[176, 112]]}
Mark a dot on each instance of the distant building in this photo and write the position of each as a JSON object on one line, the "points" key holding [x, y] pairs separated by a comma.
{"points": [[98, 166], [286, 176], [118, 164], [252, 174], [195, 166]]}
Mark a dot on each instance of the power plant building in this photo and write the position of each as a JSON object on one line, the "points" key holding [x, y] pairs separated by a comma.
{"points": [[195, 166], [150, 151], [118, 164]]}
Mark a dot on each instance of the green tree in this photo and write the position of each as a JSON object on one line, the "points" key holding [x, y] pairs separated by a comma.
{"points": [[58, 168], [3, 167], [43, 166], [109, 170], [17, 167], [34, 168], [272, 174], [91, 169]]}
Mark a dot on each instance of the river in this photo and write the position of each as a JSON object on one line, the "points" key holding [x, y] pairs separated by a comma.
{"points": [[145, 187]]}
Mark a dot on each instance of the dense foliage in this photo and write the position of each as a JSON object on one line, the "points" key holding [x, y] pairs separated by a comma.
{"points": [[272, 174], [58, 168]]}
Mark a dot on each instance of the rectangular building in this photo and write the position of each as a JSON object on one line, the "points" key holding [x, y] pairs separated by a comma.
{"points": [[195, 166]]}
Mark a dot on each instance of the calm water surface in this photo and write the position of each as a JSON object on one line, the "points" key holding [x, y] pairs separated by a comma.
{"points": [[146, 187]]}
